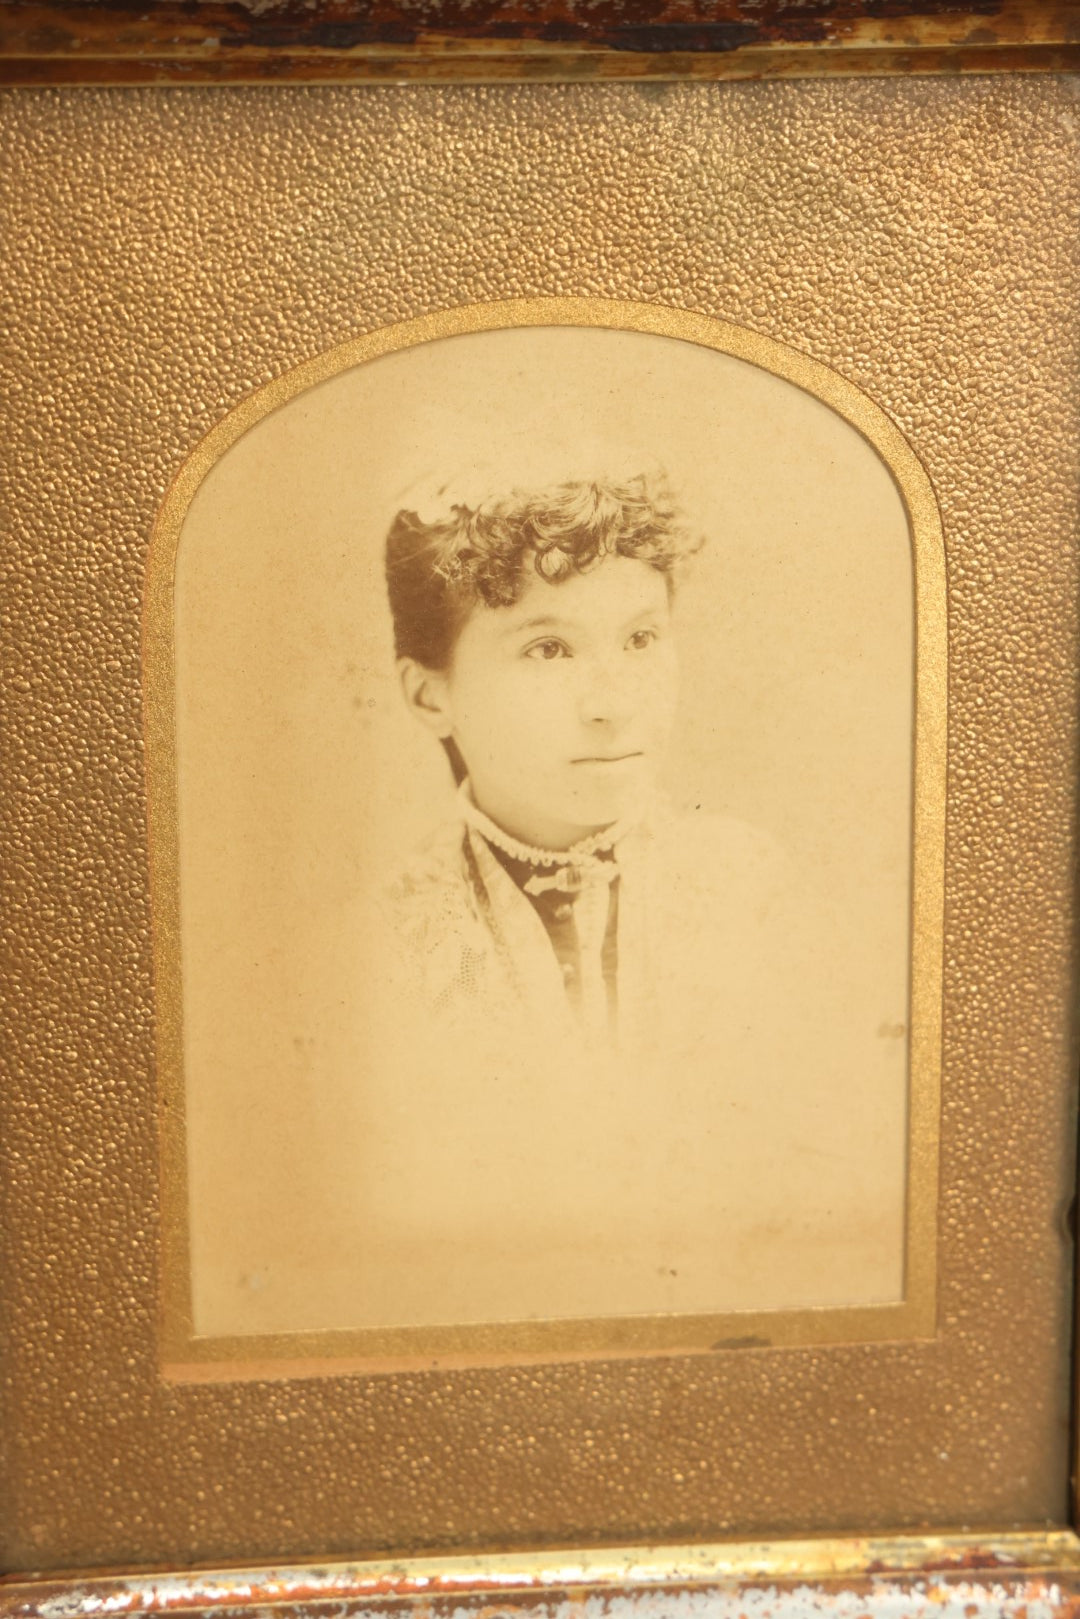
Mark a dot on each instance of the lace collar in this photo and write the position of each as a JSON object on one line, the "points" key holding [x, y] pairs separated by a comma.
{"points": [[579, 854]]}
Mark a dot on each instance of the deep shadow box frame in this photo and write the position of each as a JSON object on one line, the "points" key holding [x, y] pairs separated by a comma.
{"points": [[50, 43]]}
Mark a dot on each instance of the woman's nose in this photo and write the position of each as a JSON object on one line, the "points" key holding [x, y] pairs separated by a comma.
{"points": [[604, 696]]}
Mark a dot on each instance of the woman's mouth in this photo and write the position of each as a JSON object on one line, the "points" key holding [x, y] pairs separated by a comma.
{"points": [[608, 758]]}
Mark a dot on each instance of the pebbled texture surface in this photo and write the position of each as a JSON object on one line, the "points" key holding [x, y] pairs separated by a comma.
{"points": [[166, 251]]}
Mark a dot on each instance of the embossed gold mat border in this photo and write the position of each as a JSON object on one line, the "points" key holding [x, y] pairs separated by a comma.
{"points": [[110, 1465]]}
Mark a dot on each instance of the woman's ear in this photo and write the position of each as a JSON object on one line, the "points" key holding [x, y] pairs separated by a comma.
{"points": [[427, 695]]}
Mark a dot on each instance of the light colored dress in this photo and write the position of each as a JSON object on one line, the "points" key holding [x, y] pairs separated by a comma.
{"points": [[695, 897], [519, 1160]]}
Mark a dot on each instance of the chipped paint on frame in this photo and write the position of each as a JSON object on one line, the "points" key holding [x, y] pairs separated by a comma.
{"points": [[1029, 1576], [339, 41]]}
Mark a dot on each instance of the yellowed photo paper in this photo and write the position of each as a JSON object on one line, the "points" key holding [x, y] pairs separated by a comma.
{"points": [[548, 848]]}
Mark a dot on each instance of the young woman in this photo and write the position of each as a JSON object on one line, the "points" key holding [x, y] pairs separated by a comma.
{"points": [[536, 640]]}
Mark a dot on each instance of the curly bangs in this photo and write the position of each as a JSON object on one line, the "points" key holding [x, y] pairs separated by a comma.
{"points": [[437, 572]]}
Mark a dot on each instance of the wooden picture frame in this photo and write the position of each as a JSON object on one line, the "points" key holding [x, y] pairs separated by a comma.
{"points": [[213, 42], [69, 48]]}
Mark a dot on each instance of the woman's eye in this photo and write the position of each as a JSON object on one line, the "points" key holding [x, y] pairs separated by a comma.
{"points": [[547, 650], [641, 639]]}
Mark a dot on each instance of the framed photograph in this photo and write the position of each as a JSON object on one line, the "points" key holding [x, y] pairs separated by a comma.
{"points": [[525, 836], [541, 811]]}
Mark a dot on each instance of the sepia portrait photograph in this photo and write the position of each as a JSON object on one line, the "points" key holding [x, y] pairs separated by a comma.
{"points": [[545, 800]]}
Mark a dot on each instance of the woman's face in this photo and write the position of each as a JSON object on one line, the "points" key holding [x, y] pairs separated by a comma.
{"points": [[562, 704]]}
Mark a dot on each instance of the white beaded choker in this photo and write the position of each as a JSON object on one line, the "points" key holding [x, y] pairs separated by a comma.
{"points": [[579, 854]]}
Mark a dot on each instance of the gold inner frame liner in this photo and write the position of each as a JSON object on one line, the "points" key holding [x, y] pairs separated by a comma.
{"points": [[183, 1354]]}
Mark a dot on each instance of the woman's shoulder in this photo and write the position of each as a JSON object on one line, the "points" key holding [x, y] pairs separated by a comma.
{"points": [[427, 924], [433, 869], [432, 903], [701, 850]]}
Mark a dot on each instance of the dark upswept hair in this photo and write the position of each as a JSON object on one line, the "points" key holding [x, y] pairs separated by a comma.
{"points": [[437, 572]]}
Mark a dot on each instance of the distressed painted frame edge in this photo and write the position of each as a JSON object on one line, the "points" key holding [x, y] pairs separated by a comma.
{"points": [[117, 42], [978, 1575]]}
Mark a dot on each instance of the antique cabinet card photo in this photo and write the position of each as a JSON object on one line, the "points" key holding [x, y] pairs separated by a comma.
{"points": [[552, 783]]}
